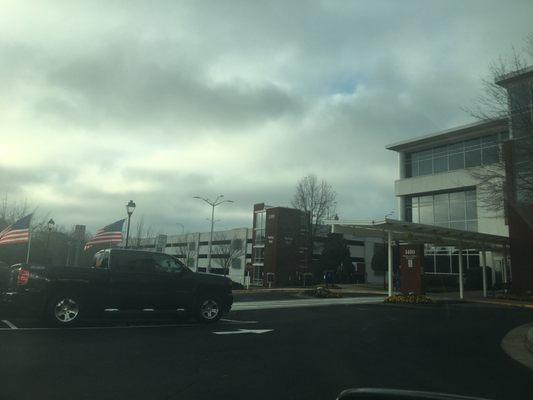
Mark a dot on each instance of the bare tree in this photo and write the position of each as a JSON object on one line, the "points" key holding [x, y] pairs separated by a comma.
{"points": [[186, 249], [495, 103], [226, 250], [141, 232], [316, 198]]}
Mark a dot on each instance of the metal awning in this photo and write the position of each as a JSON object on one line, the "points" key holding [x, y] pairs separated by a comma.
{"points": [[394, 230], [420, 233]]}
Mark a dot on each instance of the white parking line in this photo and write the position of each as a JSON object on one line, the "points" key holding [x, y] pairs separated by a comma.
{"points": [[43, 328], [11, 325]]}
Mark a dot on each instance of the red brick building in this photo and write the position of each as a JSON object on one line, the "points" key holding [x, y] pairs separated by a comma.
{"points": [[280, 245]]}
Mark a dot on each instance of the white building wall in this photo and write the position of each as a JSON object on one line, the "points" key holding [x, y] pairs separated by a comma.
{"points": [[488, 221], [200, 256]]}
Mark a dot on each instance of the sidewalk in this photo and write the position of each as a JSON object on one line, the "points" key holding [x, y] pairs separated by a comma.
{"points": [[341, 288], [475, 296]]}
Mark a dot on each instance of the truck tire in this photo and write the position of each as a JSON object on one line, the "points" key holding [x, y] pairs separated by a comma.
{"points": [[208, 308], [64, 310]]}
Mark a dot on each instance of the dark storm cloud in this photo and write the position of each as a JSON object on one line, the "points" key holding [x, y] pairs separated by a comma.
{"points": [[119, 85]]}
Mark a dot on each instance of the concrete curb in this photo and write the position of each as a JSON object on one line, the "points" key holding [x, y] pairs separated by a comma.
{"points": [[500, 303], [529, 339], [516, 344]]}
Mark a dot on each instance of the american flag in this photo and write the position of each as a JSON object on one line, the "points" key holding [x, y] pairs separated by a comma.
{"points": [[108, 234], [19, 232]]}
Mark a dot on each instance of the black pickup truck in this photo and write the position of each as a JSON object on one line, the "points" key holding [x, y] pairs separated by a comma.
{"points": [[119, 280]]}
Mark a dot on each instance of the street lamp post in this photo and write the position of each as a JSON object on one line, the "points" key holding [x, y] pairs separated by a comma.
{"points": [[218, 201], [51, 224], [130, 207]]}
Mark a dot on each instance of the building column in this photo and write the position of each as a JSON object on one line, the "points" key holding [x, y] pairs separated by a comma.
{"points": [[401, 208], [484, 270], [461, 291], [493, 269], [389, 260], [504, 271]]}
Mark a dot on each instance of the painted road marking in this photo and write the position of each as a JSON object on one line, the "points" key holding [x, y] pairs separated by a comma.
{"points": [[256, 331], [265, 305], [236, 321], [11, 325]]}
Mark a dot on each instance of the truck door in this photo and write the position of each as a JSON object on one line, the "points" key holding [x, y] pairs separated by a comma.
{"points": [[132, 273], [171, 286]]}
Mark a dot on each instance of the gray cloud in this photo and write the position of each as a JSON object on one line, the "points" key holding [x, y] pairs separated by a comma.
{"points": [[163, 101]]}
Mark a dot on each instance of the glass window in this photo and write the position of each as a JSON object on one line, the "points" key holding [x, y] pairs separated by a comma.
{"points": [[442, 264], [471, 210], [236, 263], [133, 262], [425, 167], [471, 226], [472, 144], [489, 140], [415, 214], [440, 164], [441, 211], [260, 220], [455, 262], [456, 161], [414, 168], [491, 155], [473, 158], [470, 195], [259, 255], [101, 259], [429, 264], [166, 264], [426, 209], [473, 260], [457, 206]]}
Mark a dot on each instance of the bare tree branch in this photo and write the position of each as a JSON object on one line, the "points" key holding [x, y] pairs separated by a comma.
{"points": [[317, 198], [496, 102], [226, 250]]}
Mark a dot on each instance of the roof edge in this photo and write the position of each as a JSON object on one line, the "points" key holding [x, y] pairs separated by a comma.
{"points": [[462, 129]]}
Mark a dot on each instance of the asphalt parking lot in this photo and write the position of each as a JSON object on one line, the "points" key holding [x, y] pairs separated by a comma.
{"points": [[294, 353]]}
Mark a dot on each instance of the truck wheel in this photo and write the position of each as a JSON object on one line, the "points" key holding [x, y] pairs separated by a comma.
{"points": [[208, 309], [64, 310]]}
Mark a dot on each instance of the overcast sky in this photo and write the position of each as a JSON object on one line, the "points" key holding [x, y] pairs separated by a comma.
{"points": [[159, 101]]}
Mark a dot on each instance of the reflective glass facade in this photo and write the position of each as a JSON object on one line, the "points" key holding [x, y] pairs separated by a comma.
{"points": [[456, 210], [469, 153]]}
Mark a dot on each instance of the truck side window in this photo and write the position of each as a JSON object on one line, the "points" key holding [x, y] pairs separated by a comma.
{"points": [[101, 260], [165, 263], [133, 262]]}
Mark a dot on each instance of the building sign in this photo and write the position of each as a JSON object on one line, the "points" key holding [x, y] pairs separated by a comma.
{"points": [[411, 269]]}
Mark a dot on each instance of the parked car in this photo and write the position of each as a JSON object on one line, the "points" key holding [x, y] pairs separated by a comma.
{"points": [[119, 280]]}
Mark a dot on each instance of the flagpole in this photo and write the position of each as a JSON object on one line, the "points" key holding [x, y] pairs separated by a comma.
{"points": [[29, 246]]}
